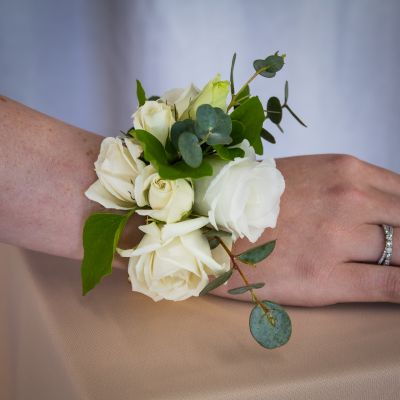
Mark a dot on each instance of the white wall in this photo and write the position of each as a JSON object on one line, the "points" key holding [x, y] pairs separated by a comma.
{"points": [[78, 61]]}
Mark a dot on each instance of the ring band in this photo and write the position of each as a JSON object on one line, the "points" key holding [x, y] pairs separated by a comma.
{"points": [[388, 251]]}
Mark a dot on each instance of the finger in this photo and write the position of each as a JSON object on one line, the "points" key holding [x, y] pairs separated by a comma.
{"points": [[366, 243], [356, 282], [382, 208]]}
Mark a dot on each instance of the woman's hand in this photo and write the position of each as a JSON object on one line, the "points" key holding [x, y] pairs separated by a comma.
{"points": [[328, 235]]}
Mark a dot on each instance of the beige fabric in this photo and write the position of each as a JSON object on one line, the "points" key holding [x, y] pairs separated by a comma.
{"points": [[114, 344]]}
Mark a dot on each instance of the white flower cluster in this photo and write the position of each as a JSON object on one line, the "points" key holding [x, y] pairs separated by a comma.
{"points": [[174, 259]]}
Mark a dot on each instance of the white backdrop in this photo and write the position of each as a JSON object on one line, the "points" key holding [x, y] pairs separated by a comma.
{"points": [[78, 60]]}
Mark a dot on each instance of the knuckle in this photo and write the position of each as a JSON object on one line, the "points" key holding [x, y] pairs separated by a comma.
{"points": [[347, 164]]}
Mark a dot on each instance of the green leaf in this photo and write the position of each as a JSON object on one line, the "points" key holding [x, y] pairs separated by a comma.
{"points": [[257, 254], [213, 242], [170, 151], [244, 95], [153, 98], [272, 65], [272, 329], [152, 148], [218, 281], [179, 127], [244, 289], [190, 149], [237, 133], [274, 110], [218, 138], [267, 136], [295, 116], [213, 125], [206, 120], [101, 234], [140, 94], [181, 170], [231, 76], [224, 122], [251, 116], [286, 91], [227, 153]]}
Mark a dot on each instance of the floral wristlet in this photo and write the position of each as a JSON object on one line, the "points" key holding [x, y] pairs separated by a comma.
{"points": [[189, 166]]}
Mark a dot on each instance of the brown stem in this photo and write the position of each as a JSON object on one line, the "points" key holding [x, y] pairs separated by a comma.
{"points": [[245, 280]]}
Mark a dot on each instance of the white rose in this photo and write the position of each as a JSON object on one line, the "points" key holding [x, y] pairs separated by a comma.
{"points": [[117, 167], [170, 200], [180, 98], [154, 117], [173, 261], [242, 197]]}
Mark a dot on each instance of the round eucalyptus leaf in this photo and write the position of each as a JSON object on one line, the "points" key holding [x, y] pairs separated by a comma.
{"points": [[270, 330], [274, 64], [190, 149], [274, 110], [206, 120], [224, 122], [218, 138], [178, 128]]}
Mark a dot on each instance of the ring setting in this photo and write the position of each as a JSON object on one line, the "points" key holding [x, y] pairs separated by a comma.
{"points": [[388, 251]]}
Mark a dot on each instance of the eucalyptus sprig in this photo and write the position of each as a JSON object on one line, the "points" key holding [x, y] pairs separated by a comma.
{"points": [[269, 323]]}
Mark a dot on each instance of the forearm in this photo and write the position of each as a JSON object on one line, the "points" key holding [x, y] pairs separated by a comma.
{"points": [[45, 167]]}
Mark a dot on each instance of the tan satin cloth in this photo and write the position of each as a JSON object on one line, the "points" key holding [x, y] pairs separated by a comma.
{"points": [[115, 344]]}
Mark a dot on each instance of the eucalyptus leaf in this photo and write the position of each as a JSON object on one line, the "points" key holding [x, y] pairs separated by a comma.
{"points": [[251, 115], [179, 127], [231, 75], [257, 254], [267, 136], [213, 242], [181, 170], [152, 148], [190, 149], [101, 234], [218, 138], [244, 289], [153, 98], [227, 153], [286, 91], [270, 330], [218, 281], [224, 123], [274, 110], [206, 120], [140, 94], [272, 65]]}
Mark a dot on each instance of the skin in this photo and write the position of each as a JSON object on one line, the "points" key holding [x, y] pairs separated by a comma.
{"points": [[328, 233]]}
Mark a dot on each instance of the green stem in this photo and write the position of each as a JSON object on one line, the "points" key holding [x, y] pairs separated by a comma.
{"points": [[251, 79]]}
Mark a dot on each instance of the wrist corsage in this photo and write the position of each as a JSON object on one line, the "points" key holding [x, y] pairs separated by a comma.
{"points": [[189, 167]]}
